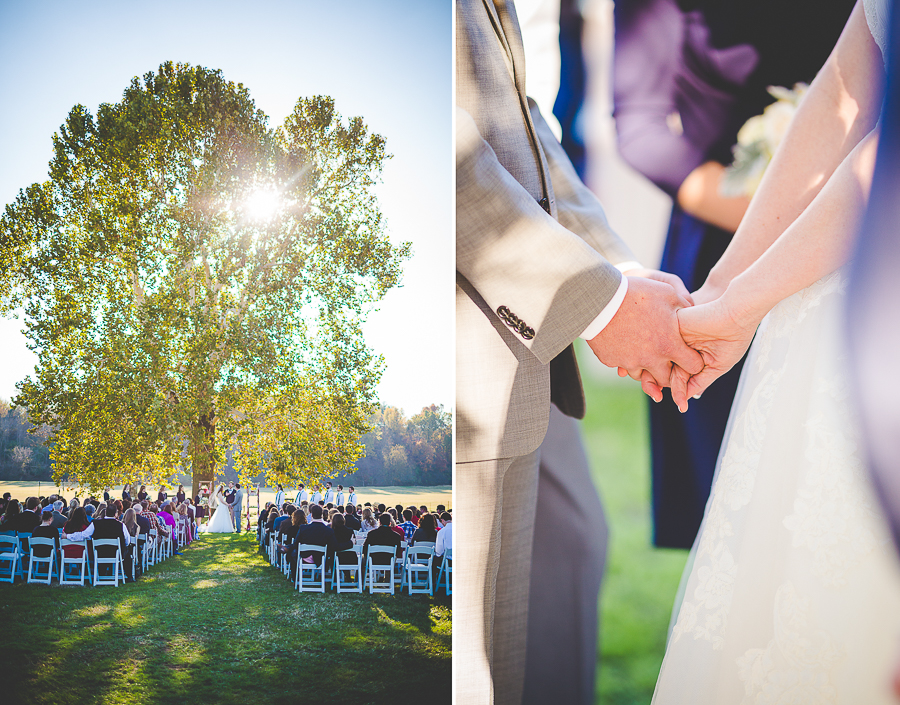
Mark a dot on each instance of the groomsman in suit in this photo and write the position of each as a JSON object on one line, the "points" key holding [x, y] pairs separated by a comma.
{"points": [[329, 493], [302, 495], [339, 496], [351, 498], [537, 267], [317, 496]]}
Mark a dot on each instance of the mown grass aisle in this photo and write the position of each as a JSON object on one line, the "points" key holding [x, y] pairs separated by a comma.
{"points": [[220, 625]]}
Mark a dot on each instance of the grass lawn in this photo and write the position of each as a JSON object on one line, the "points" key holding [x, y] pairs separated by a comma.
{"points": [[220, 625], [640, 581]]}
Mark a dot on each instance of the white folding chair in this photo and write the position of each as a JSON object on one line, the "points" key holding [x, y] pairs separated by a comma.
{"points": [[381, 575], [9, 554], [67, 578], [35, 562], [446, 572], [310, 576], [399, 563], [152, 547], [143, 549], [114, 562], [347, 573], [419, 560], [23, 537]]}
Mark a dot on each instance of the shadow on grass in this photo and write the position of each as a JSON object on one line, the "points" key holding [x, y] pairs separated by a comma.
{"points": [[220, 625]]}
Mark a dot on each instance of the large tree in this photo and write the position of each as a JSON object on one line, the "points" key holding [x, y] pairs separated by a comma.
{"points": [[194, 281]]}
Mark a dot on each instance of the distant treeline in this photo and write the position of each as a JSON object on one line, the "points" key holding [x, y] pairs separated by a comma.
{"points": [[399, 451]]}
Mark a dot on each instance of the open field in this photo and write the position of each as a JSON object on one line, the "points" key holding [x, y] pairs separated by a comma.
{"points": [[220, 625], [429, 496]]}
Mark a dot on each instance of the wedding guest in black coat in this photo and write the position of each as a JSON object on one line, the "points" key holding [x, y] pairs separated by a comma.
{"points": [[351, 519], [108, 527], [59, 519], [26, 521], [384, 535], [45, 530], [9, 519], [316, 532]]}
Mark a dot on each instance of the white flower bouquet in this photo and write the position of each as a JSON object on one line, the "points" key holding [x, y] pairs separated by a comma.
{"points": [[757, 141]]}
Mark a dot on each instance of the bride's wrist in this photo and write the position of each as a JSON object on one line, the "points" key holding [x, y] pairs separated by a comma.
{"points": [[744, 307]]}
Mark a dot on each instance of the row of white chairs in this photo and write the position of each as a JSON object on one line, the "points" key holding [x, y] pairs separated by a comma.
{"points": [[409, 567], [18, 559]]}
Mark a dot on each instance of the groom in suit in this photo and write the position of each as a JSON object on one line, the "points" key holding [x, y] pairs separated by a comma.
{"points": [[537, 267], [237, 505]]}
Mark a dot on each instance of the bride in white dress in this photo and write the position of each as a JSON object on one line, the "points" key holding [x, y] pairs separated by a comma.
{"points": [[792, 593], [220, 521]]}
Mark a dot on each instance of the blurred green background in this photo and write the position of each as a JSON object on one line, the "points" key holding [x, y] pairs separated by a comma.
{"points": [[640, 581]]}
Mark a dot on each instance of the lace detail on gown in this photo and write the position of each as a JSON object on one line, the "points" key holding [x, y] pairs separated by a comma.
{"points": [[877, 16], [780, 605]]}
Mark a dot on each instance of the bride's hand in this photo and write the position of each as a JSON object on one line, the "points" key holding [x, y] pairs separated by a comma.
{"points": [[649, 385], [721, 338]]}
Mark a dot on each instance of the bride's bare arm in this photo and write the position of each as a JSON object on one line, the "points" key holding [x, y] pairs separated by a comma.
{"points": [[840, 109], [817, 243]]}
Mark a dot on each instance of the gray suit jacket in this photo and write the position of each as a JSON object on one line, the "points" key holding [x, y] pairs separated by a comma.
{"points": [[533, 248]]}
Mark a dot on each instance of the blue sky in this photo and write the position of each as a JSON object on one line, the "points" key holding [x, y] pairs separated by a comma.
{"points": [[388, 61]]}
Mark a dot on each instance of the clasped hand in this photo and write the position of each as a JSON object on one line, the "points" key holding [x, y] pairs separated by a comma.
{"points": [[664, 337]]}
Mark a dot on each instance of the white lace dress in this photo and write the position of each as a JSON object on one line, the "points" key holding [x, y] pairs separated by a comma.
{"points": [[792, 593], [220, 521]]}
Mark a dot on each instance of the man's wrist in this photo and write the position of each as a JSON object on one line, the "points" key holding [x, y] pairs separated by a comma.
{"points": [[612, 307]]}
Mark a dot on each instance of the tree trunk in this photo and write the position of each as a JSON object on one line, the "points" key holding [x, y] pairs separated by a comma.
{"points": [[203, 463]]}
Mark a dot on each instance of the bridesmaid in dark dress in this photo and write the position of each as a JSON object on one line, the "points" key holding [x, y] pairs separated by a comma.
{"points": [[142, 493], [180, 495], [687, 75]]}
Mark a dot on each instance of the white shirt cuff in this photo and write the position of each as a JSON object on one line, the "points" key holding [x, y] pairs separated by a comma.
{"points": [[612, 308]]}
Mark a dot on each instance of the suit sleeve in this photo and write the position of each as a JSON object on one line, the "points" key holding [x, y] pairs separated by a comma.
{"points": [[522, 261]]}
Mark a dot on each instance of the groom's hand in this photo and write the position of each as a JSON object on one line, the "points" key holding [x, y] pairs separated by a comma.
{"points": [[644, 334]]}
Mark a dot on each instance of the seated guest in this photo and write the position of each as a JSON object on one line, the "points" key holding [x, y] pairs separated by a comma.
{"points": [[393, 524], [409, 528], [89, 512], [162, 529], [343, 534], [426, 532], [73, 505], [10, 516], [165, 514], [45, 530], [444, 536], [382, 536], [368, 522], [351, 519], [28, 520], [108, 527], [286, 517], [78, 521], [59, 519], [316, 532], [288, 531], [129, 521]]}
